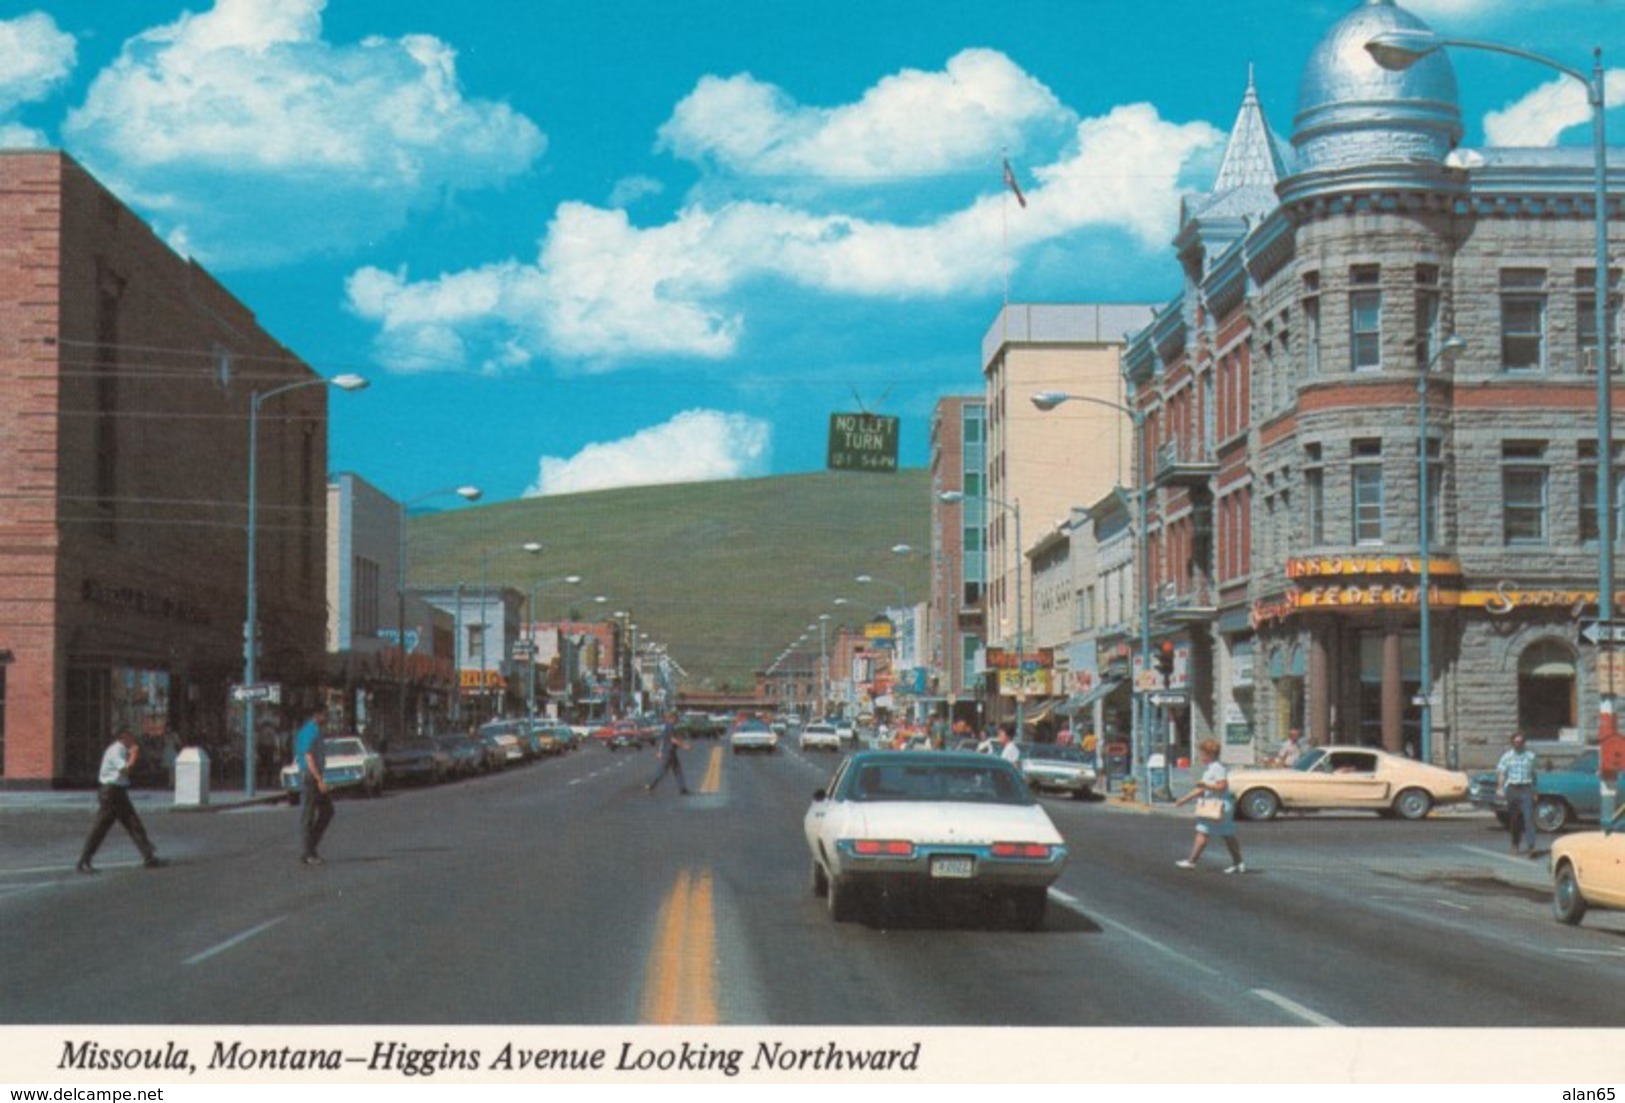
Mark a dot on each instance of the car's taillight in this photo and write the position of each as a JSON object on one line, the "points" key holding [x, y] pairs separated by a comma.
{"points": [[884, 848], [1021, 850]]}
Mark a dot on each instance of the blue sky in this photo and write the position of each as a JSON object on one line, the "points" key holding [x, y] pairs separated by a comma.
{"points": [[578, 245]]}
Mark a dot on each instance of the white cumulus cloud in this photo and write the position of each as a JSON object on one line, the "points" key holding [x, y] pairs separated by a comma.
{"points": [[249, 138], [35, 57], [909, 124], [1539, 117], [604, 290], [694, 446]]}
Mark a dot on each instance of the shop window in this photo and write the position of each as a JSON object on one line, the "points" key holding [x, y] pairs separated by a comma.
{"points": [[1365, 319], [1429, 305], [1311, 322], [1548, 706], [1365, 477], [1585, 305], [1523, 319], [1523, 492], [1314, 483], [1589, 530]]}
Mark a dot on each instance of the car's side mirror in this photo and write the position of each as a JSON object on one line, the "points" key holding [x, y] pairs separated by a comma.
{"points": [[820, 794]]}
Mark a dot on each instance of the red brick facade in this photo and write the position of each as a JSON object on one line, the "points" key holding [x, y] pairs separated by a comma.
{"points": [[126, 376]]}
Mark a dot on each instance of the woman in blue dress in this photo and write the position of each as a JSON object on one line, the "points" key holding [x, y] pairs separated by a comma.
{"points": [[1215, 811]]}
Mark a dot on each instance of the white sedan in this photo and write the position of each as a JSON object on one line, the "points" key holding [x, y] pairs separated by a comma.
{"points": [[944, 825], [753, 735], [350, 764], [819, 736]]}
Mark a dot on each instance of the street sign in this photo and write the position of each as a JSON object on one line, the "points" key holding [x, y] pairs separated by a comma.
{"points": [[263, 691], [862, 442], [1168, 700], [1597, 631]]}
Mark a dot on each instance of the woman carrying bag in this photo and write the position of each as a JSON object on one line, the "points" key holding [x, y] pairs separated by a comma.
{"points": [[1215, 810]]}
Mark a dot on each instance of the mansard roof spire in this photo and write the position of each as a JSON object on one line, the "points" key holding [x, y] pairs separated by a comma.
{"points": [[1253, 158]]}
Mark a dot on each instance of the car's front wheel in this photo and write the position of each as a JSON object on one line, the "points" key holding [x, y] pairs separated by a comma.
{"points": [[1413, 804], [1259, 804], [1567, 902], [1551, 814]]}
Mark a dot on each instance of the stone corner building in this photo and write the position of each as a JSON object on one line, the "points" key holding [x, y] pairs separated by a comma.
{"points": [[1283, 422], [127, 374]]}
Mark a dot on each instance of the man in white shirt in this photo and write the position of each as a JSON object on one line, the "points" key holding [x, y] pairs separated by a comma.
{"points": [[1007, 746], [113, 803]]}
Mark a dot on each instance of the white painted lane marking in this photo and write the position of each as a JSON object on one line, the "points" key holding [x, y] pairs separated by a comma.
{"points": [[235, 940], [1292, 1007], [1072, 902], [1518, 859]]}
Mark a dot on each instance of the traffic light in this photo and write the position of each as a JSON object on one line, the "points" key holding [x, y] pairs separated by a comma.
{"points": [[1164, 658]]}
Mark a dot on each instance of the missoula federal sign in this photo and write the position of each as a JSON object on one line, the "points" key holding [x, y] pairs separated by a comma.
{"points": [[862, 442]]}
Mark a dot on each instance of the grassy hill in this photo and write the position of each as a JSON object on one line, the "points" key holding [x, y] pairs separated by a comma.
{"points": [[725, 574]]}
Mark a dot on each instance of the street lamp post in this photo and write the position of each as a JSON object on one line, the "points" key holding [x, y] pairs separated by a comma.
{"points": [[530, 697], [1140, 729], [823, 663], [1399, 50], [1021, 640], [1424, 596], [467, 493], [345, 382]]}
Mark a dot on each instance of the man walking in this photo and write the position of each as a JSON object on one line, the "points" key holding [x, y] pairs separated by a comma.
{"points": [[670, 741], [316, 803], [113, 803], [1515, 780]]}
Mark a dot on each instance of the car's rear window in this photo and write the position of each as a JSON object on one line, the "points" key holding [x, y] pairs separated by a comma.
{"points": [[989, 784]]}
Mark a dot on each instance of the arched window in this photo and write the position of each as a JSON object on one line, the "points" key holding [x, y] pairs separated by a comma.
{"points": [[1548, 694]]}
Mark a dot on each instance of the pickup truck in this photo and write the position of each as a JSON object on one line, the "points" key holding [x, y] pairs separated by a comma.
{"points": [[1563, 794]]}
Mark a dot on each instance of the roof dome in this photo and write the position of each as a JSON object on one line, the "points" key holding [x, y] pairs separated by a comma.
{"points": [[1352, 111]]}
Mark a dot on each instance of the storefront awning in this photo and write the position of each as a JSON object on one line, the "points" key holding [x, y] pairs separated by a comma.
{"points": [[1080, 701], [1040, 712]]}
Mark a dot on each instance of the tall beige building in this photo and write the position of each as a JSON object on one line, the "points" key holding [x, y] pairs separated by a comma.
{"points": [[1040, 465]]}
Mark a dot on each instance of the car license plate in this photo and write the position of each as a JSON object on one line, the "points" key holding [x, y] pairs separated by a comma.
{"points": [[953, 867]]}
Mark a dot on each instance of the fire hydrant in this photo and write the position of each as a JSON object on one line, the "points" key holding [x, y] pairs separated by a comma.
{"points": [[1129, 788]]}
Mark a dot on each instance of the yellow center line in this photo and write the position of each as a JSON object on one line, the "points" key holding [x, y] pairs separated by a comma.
{"points": [[680, 985], [712, 781]]}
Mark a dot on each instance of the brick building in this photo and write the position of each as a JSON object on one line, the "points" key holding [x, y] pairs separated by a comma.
{"points": [[128, 374], [1283, 424], [953, 632]]}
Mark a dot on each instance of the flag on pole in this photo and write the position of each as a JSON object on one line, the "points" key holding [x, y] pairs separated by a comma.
{"points": [[1010, 182]]}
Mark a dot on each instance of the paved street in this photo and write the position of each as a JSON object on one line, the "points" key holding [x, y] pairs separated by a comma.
{"points": [[562, 892]]}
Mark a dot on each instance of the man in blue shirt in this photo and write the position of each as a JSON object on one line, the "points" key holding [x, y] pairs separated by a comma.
{"points": [[316, 803], [1515, 779], [670, 741]]}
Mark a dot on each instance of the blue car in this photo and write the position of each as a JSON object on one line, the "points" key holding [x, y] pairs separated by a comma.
{"points": [[1563, 794]]}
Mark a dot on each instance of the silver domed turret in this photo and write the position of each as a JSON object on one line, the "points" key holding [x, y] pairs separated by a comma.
{"points": [[1352, 111]]}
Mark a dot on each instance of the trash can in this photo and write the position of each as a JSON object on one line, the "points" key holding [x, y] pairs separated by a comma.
{"points": [[1156, 776], [1156, 766], [192, 777]]}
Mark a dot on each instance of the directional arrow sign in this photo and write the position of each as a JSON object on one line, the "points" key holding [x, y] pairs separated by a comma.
{"points": [[1597, 631]]}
